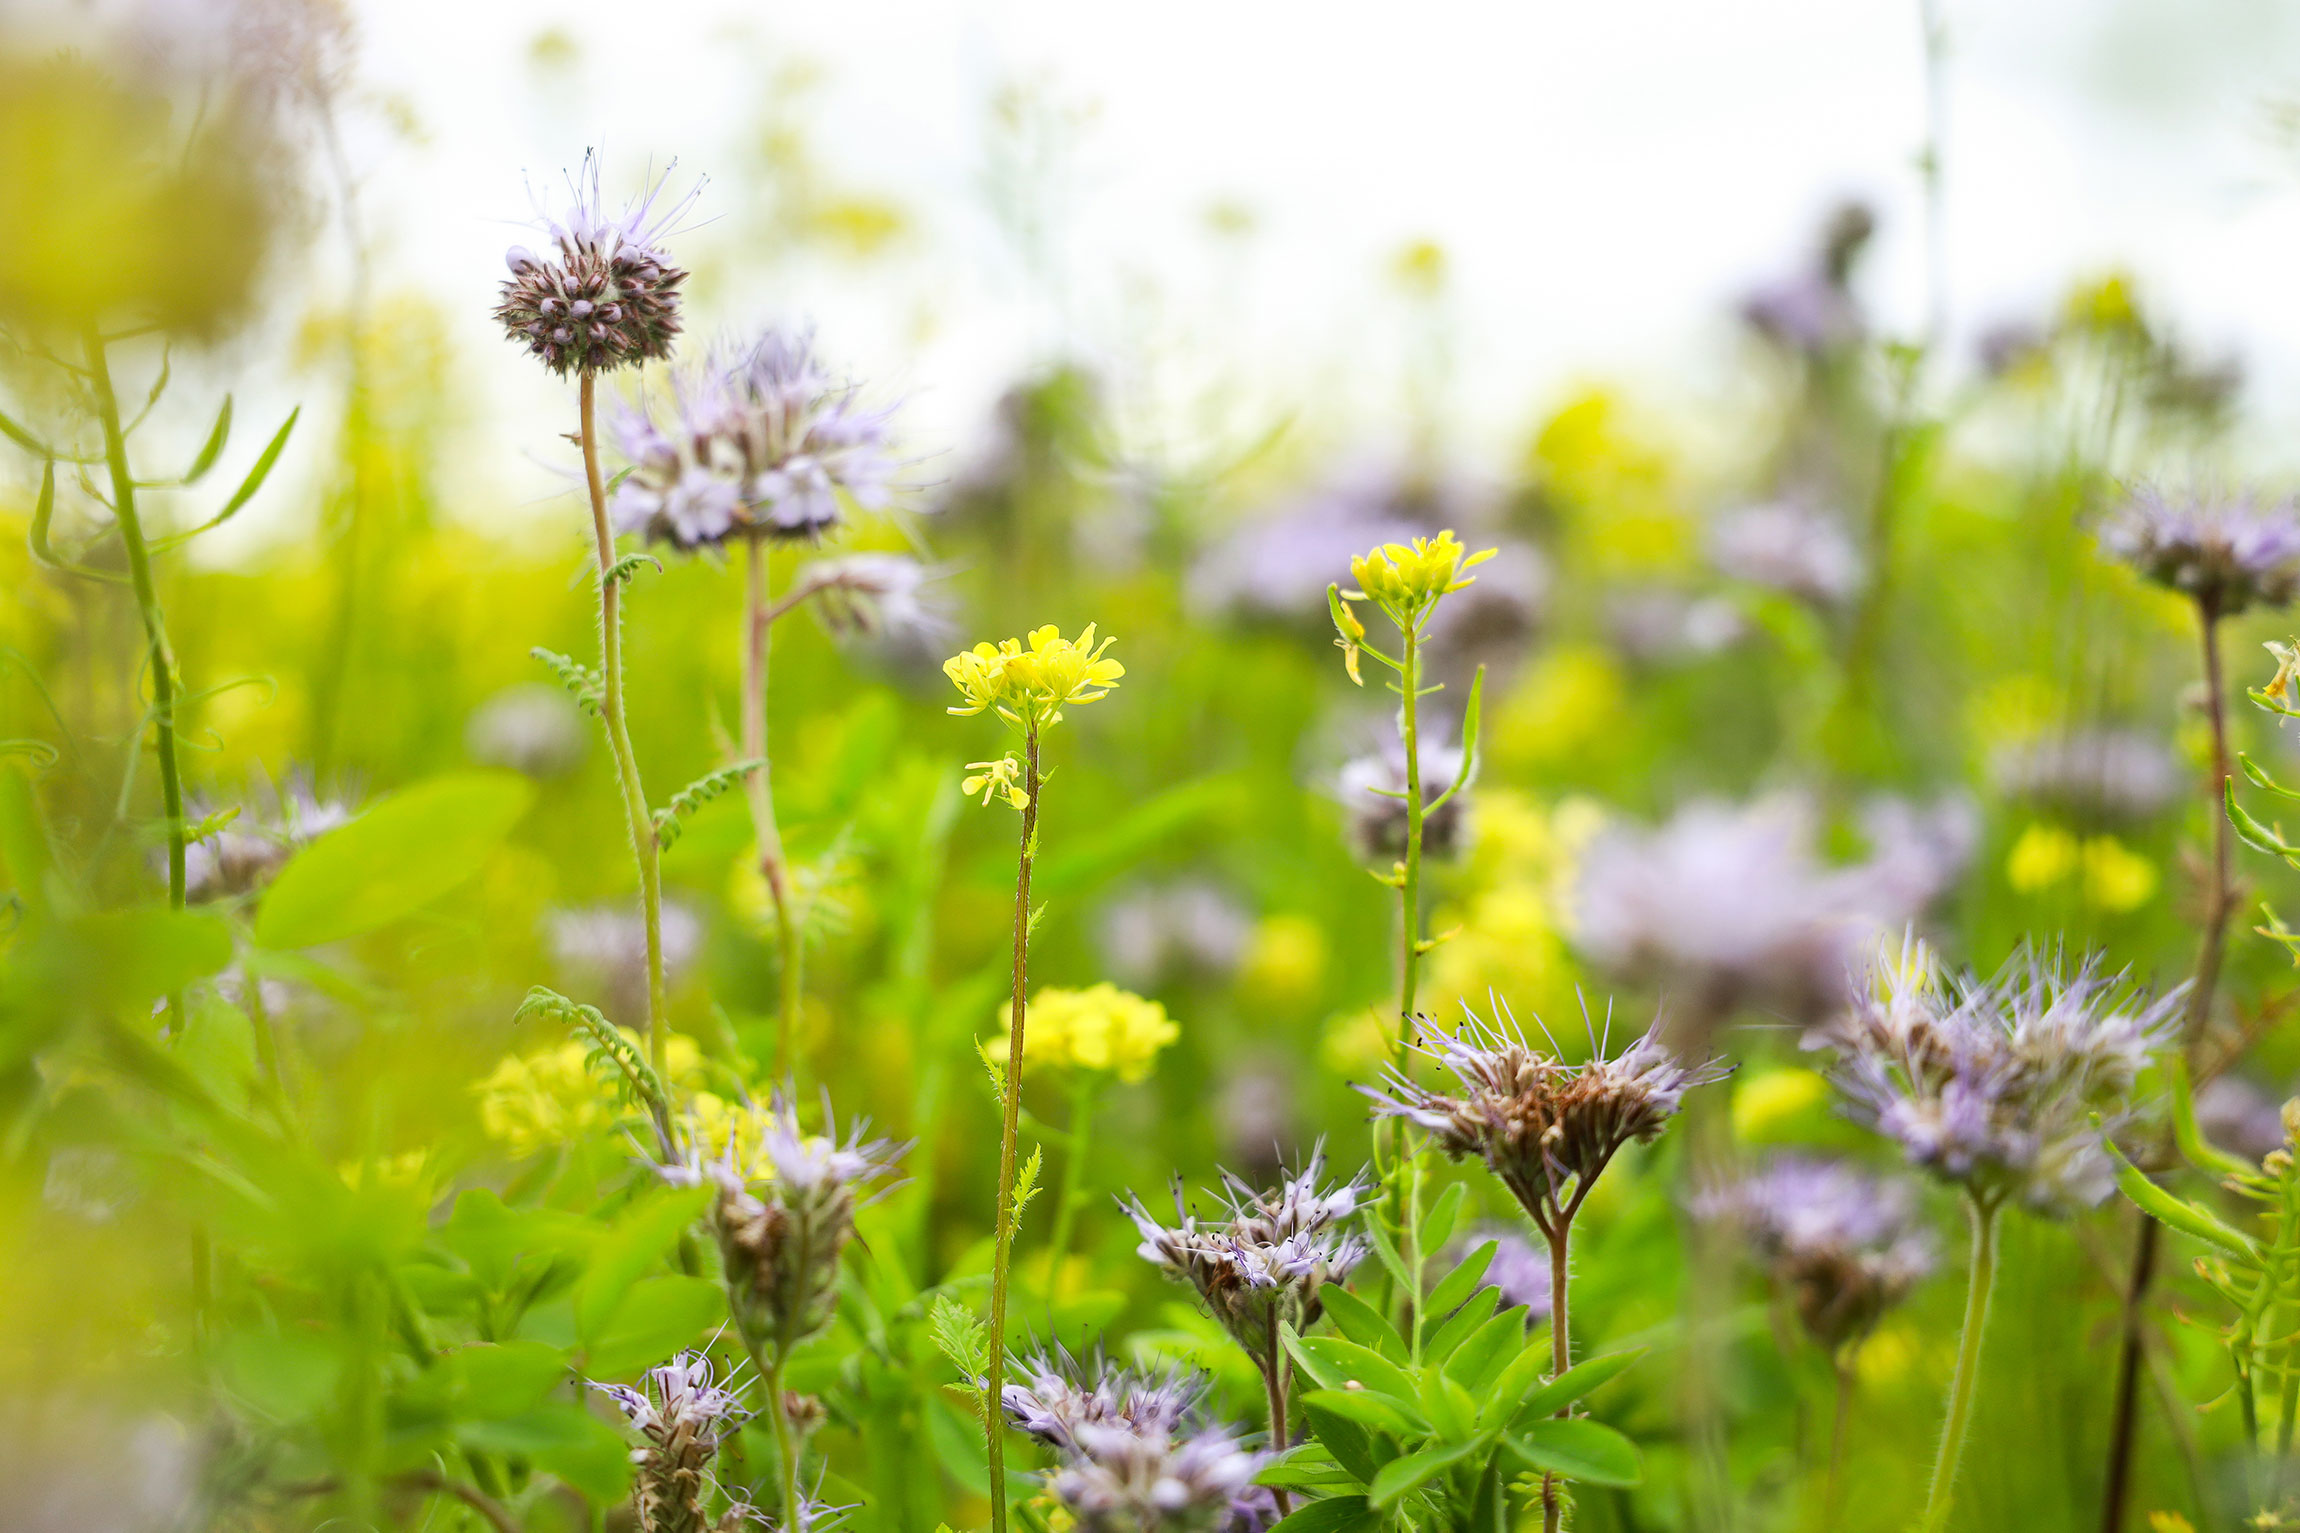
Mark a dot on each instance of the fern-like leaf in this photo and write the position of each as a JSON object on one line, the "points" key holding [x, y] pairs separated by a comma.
{"points": [[582, 683], [696, 794], [640, 1086]]}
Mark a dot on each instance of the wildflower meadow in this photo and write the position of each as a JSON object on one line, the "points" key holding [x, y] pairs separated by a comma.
{"points": [[614, 914]]}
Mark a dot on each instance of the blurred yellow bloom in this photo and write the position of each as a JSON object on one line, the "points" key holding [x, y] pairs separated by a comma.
{"points": [[1031, 686], [1770, 1105], [1099, 1028], [403, 1170], [1570, 701], [2112, 876], [1357, 1043], [734, 1131], [530, 1103], [1507, 932], [1285, 963], [1407, 581]]}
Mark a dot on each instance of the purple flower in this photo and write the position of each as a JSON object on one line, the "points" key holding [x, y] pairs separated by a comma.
{"points": [[1373, 789], [605, 295], [1846, 1246], [1790, 547], [2006, 1085], [1121, 1479], [2091, 776], [1519, 1271], [2225, 553], [1054, 1395]]}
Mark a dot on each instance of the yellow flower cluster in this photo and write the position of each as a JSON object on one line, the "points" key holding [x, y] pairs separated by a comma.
{"points": [[530, 1103], [996, 779], [1508, 916], [1407, 581], [733, 1131], [1099, 1028], [1029, 687], [2111, 876]]}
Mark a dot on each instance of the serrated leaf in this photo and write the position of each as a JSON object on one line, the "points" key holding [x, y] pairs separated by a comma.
{"points": [[960, 1337], [1025, 1187], [696, 794], [1579, 1449], [582, 683], [626, 567]]}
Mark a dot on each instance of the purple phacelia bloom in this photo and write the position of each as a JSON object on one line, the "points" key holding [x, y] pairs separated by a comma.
{"points": [[1054, 1395], [1121, 1479], [1845, 1246], [2007, 1086], [1791, 547], [2226, 553], [605, 294], [2091, 776]]}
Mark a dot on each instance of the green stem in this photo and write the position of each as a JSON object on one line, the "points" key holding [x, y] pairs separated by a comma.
{"points": [[160, 656], [1410, 889], [1560, 1349], [993, 1410], [1066, 1196], [1274, 1379], [759, 615], [1962, 1387], [645, 848], [1833, 1486], [779, 1423]]}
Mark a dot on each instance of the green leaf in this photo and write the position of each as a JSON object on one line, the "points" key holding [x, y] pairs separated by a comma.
{"points": [[660, 1318], [285, 1376], [1363, 1406], [562, 1439], [698, 793], [1575, 1382], [1345, 1439], [1025, 1187], [22, 438], [2200, 1152], [1454, 1289], [2185, 1217], [1579, 1449], [1337, 1364], [505, 1379], [213, 448], [638, 1240], [393, 860], [1452, 1413], [1387, 1250], [1361, 1322], [2250, 831], [1469, 726], [1438, 1223], [1475, 1362], [1335, 1514], [248, 486], [960, 1337], [582, 682], [1402, 1476]]}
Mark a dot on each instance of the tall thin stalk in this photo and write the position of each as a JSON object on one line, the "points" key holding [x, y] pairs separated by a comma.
{"points": [[2212, 945], [645, 847], [1410, 885], [993, 1410], [1980, 1280], [759, 615], [1560, 1348]]}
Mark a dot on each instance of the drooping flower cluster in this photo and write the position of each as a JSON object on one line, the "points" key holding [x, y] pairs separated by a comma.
{"points": [[1054, 1395], [1791, 547], [606, 295], [1030, 687], [757, 439], [683, 1413], [1546, 1128], [875, 594], [534, 728], [1100, 1028], [781, 1234], [1261, 1263], [1373, 790], [603, 949], [2225, 553], [1728, 907], [1844, 1246], [1813, 311], [2092, 776], [2005, 1085]]}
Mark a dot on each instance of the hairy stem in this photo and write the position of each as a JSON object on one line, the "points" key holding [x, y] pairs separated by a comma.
{"points": [[1963, 1385], [1274, 1386], [2212, 944], [159, 655], [1560, 1348], [993, 1411], [1410, 889], [759, 615], [644, 846]]}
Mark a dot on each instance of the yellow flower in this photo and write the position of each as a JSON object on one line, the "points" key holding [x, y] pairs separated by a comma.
{"points": [[1407, 581], [1285, 962], [1776, 1105], [1030, 687], [733, 1131], [535, 1102], [2111, 875], [1100, 1028], [2042, 857], [996, 779]]}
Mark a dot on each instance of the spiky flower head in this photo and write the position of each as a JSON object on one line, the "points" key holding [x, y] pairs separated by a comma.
{"points": [[757, 439], [1406, 580], [2091, 776], [1123, 1479], [2007, 1085], [1054, 1395], [786, 1208], [1029, 687], [1844, 1245], [1373, 792], [1260, 1262], [1101, 1028], [872, 594], [2226, 553], [605, 294], [683, 1413], [1548, 1129], [249, 847]]}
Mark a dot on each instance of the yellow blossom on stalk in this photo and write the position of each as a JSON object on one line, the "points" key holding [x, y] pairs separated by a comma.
{"points": [[534, 1102], [1406, 581], [2111, 875], [2287, 656], [996, 779], [731, 1131], [1099, 1028], [1030, 687]]}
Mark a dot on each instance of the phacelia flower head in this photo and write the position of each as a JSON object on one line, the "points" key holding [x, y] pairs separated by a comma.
{"points": [[1120, 1478], [250, 849], [1546, 1128], [683, 1413], [1791, 547], [870, 595], [1844, 1245], [2225, 553], [1373, 792], [781, 1233], [605, 294], [1261, 1262], [2008, 1085], [1030, 687], [1192, 926], [2092, 776], [1100, 1028], [757, 439], [1054, 1395]]}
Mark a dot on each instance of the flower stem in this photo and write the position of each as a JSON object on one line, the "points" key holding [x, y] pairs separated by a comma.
{"points": [[779, 1423], [1962, 1387], [1066, 1196], [1560, 1349], [1833, 1486], [1274, 1385], [758, 620], [645, 848], [993, 1411], [160, 656], [1410, 887]]}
